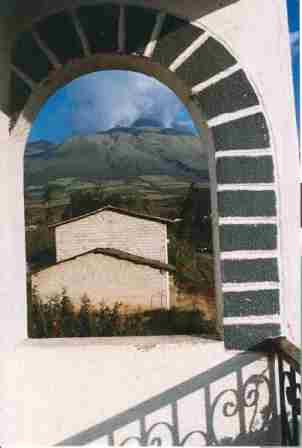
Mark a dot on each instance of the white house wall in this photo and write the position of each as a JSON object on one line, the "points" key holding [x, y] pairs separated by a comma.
{"points": [[103, 391], [112, 230], [104, 279]]}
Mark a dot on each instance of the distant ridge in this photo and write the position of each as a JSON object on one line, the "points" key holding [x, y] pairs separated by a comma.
{"points": [[117, 154]]}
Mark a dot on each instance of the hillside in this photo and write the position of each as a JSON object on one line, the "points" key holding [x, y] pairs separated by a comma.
{"points": [[117, 154]]}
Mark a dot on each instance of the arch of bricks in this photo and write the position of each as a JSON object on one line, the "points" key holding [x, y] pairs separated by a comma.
{"points": [[246, 176]]}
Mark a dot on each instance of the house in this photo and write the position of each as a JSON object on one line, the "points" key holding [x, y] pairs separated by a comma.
{"points": [[110, 255], [108, 276], [116, 228]]}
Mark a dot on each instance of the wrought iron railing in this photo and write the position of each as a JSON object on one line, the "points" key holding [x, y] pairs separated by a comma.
{"points": [[289, 366]]}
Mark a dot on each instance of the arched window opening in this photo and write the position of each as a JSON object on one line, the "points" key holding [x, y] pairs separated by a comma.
{"points": [[118, 213]]}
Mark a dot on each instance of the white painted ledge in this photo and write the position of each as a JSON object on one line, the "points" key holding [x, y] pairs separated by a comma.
{"points": [[139, 342]]}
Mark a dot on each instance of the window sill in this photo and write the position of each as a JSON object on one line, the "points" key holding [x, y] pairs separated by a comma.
{"points": [[139, 342]]}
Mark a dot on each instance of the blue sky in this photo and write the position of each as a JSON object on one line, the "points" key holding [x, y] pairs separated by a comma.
{"points": [[294, 28], [85, 106], [107, 99]]}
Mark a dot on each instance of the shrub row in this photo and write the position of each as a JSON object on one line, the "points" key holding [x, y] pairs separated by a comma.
{"points": [[59, 318]]}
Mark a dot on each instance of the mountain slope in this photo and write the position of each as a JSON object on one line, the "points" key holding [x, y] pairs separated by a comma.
{"points": [[117, 154]]}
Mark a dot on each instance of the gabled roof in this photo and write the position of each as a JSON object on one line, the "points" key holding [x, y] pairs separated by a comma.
{"points": [[121, 211], [115, 253]]}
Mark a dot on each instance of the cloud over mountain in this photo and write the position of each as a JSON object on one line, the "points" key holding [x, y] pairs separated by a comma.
{"points": [[107, 99]]}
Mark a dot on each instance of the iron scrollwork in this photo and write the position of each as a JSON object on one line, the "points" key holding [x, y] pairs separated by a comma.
{"points": [[246, 396], [290, 400]]}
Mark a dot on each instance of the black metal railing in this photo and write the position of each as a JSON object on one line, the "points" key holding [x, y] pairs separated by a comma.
{"points": [[289, 366]]}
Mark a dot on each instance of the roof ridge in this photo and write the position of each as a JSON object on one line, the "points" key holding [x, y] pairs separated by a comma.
{"points": [[117, 210], [117, 253]]}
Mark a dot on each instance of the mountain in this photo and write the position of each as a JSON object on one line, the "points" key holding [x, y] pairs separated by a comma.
{"points": [[40, 149], [117, 154], [147, 123]]}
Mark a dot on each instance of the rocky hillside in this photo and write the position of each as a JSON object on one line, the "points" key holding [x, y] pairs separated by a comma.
{"points": [[117, 154]]}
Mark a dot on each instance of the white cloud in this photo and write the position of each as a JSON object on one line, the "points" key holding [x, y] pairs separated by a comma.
{"points": [[104, 100]]}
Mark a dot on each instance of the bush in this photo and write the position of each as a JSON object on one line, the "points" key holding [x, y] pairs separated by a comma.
{"points": [[59, 318]]}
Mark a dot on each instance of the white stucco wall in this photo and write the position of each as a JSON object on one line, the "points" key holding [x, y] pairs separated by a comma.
{"points": [[112, 230], [104, 279], [12, 242], [50, 391], [61, 388]]}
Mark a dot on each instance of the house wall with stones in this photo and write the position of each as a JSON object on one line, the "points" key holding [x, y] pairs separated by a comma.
{"points": [[109, 229], [105, 279]]}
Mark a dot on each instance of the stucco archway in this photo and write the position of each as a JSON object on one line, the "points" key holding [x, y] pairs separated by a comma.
{"points": [[218, 84], [21, 129], [250, 84]]}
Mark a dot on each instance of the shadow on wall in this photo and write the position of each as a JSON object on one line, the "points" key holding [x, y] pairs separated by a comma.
{"points": [[201, 411]]}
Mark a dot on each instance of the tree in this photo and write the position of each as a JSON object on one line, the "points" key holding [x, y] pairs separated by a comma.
{"points": [[40, 245], [86, 201], [195, 225]]}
